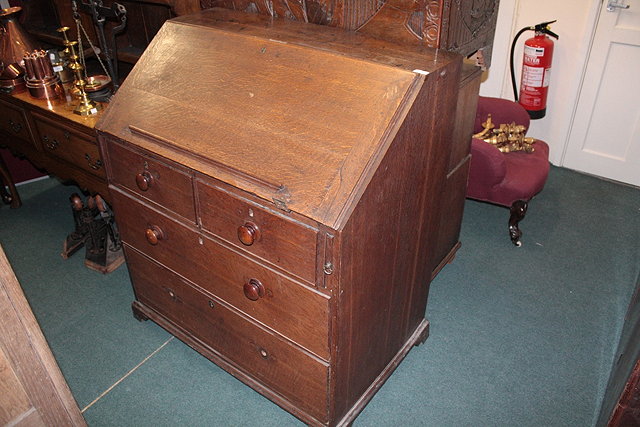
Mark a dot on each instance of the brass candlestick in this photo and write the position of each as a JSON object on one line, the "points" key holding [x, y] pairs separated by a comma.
{"points": [[63, 31], [86, 107]]}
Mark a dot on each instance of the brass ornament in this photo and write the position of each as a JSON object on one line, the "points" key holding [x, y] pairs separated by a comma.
{"points": [[506, 138]]}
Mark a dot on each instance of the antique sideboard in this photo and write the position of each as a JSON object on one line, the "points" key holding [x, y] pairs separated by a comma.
{"points": [[53, 138], [280, 191]]}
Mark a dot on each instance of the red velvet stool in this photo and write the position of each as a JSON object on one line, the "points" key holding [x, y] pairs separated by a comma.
{"points": [[506, 179]]}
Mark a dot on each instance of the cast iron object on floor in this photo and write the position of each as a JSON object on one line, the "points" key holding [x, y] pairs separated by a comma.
{"points": [[97, 232]]}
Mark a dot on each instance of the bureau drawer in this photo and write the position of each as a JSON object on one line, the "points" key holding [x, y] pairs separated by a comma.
{"points": [[13, 121], [295, 311], [78, 149], [166, 185], [290, 372], [279, 240]]}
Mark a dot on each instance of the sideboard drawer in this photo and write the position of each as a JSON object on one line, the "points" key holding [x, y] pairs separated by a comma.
{"points": [[163, 183], [295, 375], [279, 240], [295, 311], [12, 121], [78, 149]]}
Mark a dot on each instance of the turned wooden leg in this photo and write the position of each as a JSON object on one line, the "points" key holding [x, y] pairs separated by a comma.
{"points": [[518, 211], [12, 197]]}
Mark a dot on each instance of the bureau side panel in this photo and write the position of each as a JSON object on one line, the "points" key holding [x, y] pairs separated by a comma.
{"points": [[453, 192], [441, 127], [383, 270]]}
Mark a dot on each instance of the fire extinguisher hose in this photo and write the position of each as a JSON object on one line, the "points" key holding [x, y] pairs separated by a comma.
{"points": [[513, 48]]}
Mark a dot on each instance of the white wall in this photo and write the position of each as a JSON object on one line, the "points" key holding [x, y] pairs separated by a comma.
{"points": [[576, 22]]}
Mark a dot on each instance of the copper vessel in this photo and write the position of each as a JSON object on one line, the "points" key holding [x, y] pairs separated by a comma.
{"points": [[15, 40], [49, 88], [17, 85]]}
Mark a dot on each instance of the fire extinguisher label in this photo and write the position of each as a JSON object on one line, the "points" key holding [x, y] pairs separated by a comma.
{"points": [[547, 74], [533, 76], [533, 55], [533, 51]]}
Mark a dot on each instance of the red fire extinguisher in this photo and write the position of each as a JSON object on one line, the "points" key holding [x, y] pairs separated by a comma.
{"points": [[536, 69]]}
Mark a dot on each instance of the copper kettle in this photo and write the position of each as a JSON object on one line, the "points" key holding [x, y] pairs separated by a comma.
{"points": [[14, 39]]}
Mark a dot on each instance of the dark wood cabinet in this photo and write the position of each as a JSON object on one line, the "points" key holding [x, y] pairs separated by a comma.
{"points": [[53, 138], [278, 188]]}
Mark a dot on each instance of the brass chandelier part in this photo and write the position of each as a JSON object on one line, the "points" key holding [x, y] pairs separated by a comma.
{"points": [[507, 137], [85, 107]]}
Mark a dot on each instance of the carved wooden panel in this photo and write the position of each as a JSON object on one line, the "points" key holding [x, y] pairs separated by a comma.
{"points": [[462, 26], [313, 11], [469, 26]]}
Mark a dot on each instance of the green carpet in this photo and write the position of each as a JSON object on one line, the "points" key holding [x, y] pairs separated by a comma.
{"points": [[519, 336]]}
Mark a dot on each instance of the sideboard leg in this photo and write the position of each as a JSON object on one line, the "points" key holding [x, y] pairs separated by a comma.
{"points": [[11, 197]]}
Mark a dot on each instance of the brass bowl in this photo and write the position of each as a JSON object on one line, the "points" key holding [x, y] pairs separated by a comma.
{"points": [[10, 11], [96, 83]]}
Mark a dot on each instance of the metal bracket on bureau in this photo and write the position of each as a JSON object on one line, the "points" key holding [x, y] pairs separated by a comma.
{"points": [[328, 268]]}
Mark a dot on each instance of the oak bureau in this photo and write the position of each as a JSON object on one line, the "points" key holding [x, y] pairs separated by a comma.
{"points": [[277, 187]]}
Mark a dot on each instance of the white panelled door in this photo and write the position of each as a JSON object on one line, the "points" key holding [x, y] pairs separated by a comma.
{"points": [[605, 136]]}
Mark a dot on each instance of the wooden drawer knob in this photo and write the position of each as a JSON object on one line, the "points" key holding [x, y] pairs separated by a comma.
{"points": [[144, 180], [253, 289], [248, 233], [154, 234]]}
